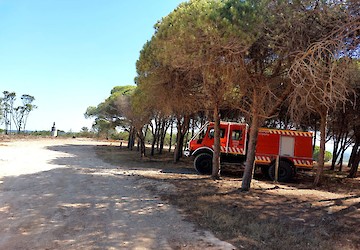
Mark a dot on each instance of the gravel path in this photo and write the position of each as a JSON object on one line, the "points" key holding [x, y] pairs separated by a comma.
{"points": [[55, 194]]}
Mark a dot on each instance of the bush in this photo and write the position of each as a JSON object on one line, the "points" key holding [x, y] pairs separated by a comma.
{"points": [[328, 155], [40, 133], [120, 136], [85, 134]]}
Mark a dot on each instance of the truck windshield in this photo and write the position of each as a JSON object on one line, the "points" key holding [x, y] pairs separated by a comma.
{"points": [[201, 133]]}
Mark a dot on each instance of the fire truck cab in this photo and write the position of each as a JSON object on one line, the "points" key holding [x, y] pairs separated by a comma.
{"points": [[294, 149]]}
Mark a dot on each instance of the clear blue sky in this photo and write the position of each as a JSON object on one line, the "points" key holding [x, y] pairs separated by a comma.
{"points": [[69, 54]]}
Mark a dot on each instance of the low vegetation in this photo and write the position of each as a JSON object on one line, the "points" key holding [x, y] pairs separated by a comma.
{"points": [[271, 216]]}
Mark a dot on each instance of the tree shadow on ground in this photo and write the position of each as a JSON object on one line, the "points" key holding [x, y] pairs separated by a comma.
{"points": [[84, 203], [97, 212], [281, 215], [276, 214], [79, 156], [273, 218]]}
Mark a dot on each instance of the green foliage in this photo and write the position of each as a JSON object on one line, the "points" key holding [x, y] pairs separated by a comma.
{"points": [[123, 90], [41, 133], [328, 155], [84, 129], [112, 112], [120, 135], [195, 54], [196, 30], [140, 111]]}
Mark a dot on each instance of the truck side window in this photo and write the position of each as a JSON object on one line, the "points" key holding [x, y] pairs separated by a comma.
{"points": [[236, 135], [212, 131], [222, 133]]}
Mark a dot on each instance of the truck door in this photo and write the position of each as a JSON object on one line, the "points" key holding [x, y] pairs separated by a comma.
{"points": [[287, 144], [237, 140], [222, 137]]}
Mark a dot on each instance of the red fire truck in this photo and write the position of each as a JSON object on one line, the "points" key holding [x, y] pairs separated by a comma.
{"points": [[294, 149]]}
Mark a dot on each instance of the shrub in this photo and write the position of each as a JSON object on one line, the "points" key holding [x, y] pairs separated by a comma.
{"points": [[328, 155]]}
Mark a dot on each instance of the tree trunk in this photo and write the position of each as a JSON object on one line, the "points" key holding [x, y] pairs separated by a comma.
{"points": [[335, 154], [162, 141], [146, 132], [320, 168], [25, 121], [143, 148], [130, 137], [355, 166], [354, 160], [345, 144], [193, 128], [340, 162], [178, 149], [315, 136], [186, 138], [251, 151], [158, 133], [153, 145], [6, 121], [171, 134], [154, 128], [19, 128], [141, 137], [133, 135], [216, 157], [164, 128], [182, 129]]}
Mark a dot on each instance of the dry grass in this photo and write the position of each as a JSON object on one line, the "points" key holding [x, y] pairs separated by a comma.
{"points": [[292, 216]]}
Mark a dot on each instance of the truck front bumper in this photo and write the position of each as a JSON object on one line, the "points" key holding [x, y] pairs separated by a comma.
{"points": [[187, 152]]}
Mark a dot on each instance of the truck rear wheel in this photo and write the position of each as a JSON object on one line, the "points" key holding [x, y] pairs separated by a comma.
{"points": [[265, 171], [286, 171], [203, 163]]}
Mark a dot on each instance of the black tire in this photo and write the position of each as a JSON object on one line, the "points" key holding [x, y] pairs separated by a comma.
{"points": [[203, 164], [286, 172], [265, 171]]}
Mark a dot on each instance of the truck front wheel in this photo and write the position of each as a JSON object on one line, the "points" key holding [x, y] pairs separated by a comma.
{"points": [[203, 163], [286, 171]]}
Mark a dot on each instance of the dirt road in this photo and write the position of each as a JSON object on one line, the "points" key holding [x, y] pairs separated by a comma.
{"points": [[55, 194]]}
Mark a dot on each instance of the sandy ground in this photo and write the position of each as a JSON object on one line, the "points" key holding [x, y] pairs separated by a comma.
{"points": [[55, 194]]}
